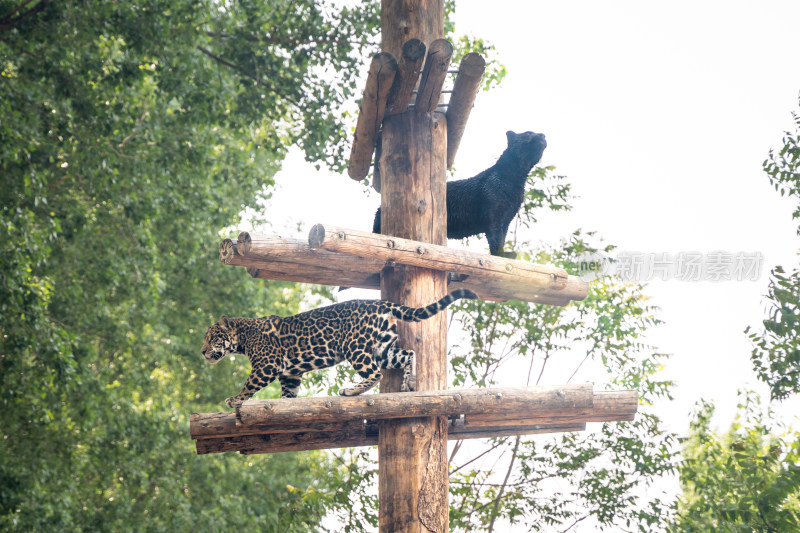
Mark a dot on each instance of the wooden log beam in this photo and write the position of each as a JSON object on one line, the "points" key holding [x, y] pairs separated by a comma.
{"points": [[495, 402], [466, 86], [282, 259], [433, 75], [222, 432], [353, 435], [534, 279], [318, 276], [477, 411], [608, 406], [370, 115], [408, 69], [278, 254]]}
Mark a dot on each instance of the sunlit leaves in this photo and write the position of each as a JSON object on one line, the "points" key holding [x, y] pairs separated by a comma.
{"points": [[747, 479], [776, 347]]}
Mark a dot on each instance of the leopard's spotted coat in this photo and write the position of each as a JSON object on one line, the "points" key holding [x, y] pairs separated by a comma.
{"points": [[363, 332]]}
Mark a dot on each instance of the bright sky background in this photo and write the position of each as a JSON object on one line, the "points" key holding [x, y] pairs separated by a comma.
{"points": [[660, 115]]}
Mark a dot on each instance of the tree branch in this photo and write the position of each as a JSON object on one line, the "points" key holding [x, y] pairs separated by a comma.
{"points": [[503, 486], [280, 40], [238, 69], [9, 23]]}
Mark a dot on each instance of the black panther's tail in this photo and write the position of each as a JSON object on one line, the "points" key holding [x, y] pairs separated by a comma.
{"points": [[415, 314]]}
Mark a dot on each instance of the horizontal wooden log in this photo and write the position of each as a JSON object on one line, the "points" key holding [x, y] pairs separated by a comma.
{"points": [[282, 259], [498, 402], [224, 424], [347, 436], [466, 86], [532, 279], [433, 75], [370, 115], [352, 436], [319, 276], [281, 254], [408, 69], [608, 406], [457, 430]]}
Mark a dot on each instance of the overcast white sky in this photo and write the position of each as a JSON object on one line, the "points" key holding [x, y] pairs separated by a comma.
{"points": [[660, 114]]}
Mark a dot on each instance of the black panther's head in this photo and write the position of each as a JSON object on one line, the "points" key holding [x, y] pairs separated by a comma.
{"points": [[527, 146]]}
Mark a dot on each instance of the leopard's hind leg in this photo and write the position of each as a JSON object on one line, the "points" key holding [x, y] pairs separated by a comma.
{"points": [[402, 358], [289, 385], [389, 355]]}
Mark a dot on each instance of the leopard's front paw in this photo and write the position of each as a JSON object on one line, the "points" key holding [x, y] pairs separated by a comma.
{"points": [[232, 402]]}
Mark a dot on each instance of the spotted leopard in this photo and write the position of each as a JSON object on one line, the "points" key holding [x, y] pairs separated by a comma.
{"points": [[363, 332]]}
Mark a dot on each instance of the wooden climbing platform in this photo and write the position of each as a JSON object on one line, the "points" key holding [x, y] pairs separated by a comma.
{"points": [[409, 136], [294, 424]]}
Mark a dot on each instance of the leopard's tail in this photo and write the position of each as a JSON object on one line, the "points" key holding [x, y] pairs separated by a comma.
{"points": [[415, 314]]}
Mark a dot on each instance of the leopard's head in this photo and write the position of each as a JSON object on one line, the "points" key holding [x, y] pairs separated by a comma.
{"points": [[220, 340]]}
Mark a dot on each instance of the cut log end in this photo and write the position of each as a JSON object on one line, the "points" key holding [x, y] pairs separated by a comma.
{"points": [[473, 65]]}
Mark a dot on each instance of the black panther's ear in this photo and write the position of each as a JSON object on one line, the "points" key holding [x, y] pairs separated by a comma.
{"points": [[510, 135]]}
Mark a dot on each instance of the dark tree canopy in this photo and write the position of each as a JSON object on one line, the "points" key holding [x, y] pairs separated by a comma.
{"points": [[132, 133]]}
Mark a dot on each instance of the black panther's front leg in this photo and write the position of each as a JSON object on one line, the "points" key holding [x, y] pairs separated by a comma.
{"points": [[496, 235]]}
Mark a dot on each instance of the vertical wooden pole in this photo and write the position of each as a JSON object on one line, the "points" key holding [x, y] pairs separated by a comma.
{"points": [[412, 472]]}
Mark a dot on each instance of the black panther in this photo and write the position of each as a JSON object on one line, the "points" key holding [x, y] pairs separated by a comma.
{"points": [[488, 202]]}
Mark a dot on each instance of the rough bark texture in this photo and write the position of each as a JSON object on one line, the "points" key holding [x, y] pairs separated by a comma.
{"points": [[491, 275], [348, 435], [408, 69], [466, 86], [370, 114], [500, 403], [413, 159], [433, 75]]}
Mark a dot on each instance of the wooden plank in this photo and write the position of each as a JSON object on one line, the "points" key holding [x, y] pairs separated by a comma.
{"points": [[433, 75], [370, 115], [531, 278], [495, 402], [318, 276], [353, 437], [465, 89], [344, 437], [408, 69], [224, 424]]}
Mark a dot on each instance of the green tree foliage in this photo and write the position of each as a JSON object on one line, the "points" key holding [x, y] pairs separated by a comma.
{"points": [[776, 348], [552, 482], [745, 480], [132, 133]]}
